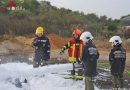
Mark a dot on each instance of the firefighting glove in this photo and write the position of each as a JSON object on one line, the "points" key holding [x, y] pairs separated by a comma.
{"points": [[61, 51], [78, 61]]}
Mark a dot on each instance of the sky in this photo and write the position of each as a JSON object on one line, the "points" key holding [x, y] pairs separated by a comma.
{"points": [[111, 8]]}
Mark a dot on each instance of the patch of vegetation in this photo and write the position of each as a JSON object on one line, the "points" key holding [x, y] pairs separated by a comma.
{"points": [[103, 64], [54, 20]]}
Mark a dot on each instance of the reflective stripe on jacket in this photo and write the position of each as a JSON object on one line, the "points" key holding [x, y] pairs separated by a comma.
{"points": [[74, 49]]}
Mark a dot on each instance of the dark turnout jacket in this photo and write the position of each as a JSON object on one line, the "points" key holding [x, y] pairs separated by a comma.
{"points": [[117, 58], [89, 57], [42, 48]]}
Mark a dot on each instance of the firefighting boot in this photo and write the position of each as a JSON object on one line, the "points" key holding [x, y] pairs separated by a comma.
{"points": [[35, 64], [43, 63]]}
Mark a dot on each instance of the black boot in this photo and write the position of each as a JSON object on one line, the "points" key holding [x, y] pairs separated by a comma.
{"points": [[72, 72], [80, 72], [43, 63], [35, 64]]}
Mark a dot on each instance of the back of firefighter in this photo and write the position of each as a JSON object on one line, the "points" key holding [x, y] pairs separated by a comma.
{"points": [[42, 48], [117, 58], [74, 46], [89, 57]]}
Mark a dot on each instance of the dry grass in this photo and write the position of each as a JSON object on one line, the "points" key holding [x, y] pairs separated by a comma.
{"points": [[105, 45]]}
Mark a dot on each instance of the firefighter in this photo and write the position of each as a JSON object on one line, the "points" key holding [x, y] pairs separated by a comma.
{"points": [[74, 46], [117, 58], [89, 57], [42, 48]]}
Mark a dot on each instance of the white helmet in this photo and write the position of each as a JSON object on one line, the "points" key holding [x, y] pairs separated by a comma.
{"points": [[86, 36], [115, 40]]}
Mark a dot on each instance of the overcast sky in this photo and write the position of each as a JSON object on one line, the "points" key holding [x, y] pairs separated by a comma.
{"points": [[111, 8]]}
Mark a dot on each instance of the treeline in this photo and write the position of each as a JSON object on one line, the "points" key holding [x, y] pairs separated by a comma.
{"points": [[54, 20]]}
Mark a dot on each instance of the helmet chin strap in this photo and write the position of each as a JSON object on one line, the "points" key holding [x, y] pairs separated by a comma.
{"points": [[88, 40], [115, 44]]}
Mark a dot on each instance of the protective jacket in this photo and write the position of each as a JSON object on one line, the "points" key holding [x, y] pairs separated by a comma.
{"points": [[117, 58], [74, 47], [42, 48], [89, 58]]}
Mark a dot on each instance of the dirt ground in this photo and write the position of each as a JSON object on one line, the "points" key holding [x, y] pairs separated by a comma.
{"points": [[23, 44], [104, 82]]}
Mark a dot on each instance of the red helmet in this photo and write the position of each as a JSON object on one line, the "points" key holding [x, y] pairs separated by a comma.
{"points": [[77, 32]]}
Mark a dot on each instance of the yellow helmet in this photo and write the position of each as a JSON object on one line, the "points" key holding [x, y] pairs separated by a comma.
{"points": [[40, 30]]}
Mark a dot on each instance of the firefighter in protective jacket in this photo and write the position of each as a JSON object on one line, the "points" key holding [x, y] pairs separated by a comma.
{"points": [[74, 46], [117, 58], [42, 48], [89, 57]]}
